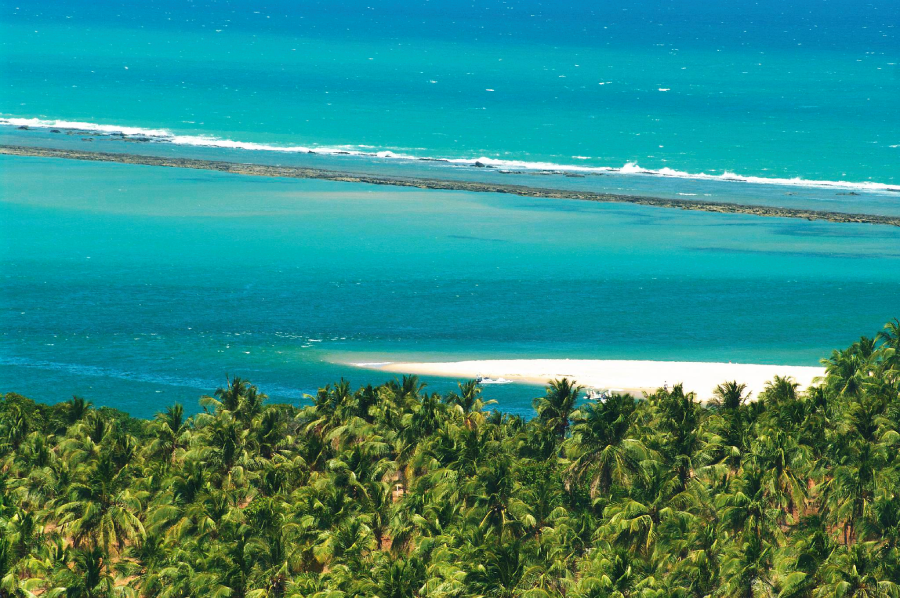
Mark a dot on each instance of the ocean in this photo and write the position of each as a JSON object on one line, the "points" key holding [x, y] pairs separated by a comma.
{"points": [[139, 286], [800, 89]]}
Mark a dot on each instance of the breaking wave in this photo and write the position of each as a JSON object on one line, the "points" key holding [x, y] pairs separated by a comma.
{"points": [[150, 135]]}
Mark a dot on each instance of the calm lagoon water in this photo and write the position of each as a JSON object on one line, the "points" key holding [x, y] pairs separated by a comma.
{"points": [[140, 286]]}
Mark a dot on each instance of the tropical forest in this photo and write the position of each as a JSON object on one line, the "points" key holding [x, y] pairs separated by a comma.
{"points": [[397, 492]]}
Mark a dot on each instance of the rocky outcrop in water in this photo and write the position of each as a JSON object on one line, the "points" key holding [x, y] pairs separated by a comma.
{"points": [[299, 172]]}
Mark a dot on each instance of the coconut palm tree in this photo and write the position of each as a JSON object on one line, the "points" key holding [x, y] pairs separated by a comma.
{"points": [[854, 572], [101, 510], [172, 433], [556, 406], [600, 450], [86, 579]]}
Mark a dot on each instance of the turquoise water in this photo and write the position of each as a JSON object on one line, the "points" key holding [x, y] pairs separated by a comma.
{"points": [[830, 198], [770, 89], [138, 286]]}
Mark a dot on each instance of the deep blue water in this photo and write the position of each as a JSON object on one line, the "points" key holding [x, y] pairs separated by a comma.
{"points": [[802, 88]]}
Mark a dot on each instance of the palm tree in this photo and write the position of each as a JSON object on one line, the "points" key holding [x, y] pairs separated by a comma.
{"points": [[600, 450], [851, 491], [468, 403], [780, 390], [101, 510], [172, 432], [555, 407], [614, 573], [86, 579], [787, 466], [799, 563], [497, 569], [854, 572], [634, 520], [746, 570], [399, 578], [890, 351], [76, 409], [494, 504], [349, 542], [744, 512], [238, 397], [729, 396], [890, 335], [883, 526]]}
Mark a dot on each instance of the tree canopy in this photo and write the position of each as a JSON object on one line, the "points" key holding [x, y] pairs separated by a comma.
{"points": [[396, 492]]}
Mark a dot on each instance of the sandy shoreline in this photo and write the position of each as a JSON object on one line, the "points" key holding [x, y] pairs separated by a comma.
{"points": [[446, 185], [632, 376]]}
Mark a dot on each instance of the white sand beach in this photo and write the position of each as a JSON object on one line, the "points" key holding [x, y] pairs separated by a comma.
{"points": [[635, 377]]}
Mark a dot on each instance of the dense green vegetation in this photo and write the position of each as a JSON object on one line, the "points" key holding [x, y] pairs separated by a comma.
{"points": [[395, 492]]}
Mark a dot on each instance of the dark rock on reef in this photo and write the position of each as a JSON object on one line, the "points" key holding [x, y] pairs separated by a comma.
{"points": [[443, 184], [23, 128], [55, 131]]}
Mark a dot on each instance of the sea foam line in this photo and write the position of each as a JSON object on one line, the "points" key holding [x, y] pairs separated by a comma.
{"points": [[630, 168]]}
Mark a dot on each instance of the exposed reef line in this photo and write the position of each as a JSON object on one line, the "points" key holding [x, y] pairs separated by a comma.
{"points": [[299, 172]]}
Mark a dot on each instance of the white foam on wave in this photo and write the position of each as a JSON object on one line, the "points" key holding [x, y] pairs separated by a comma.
{"points": [[630, 168], [82, 126]]}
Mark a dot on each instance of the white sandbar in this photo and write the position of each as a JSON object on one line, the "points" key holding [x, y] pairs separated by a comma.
{"points": [[635, 377]]}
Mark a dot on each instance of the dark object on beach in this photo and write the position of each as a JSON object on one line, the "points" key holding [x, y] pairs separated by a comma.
{"points": [[479, 165]]}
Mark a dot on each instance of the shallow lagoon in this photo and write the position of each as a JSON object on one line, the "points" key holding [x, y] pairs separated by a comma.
{"points": [[139, 286]]}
